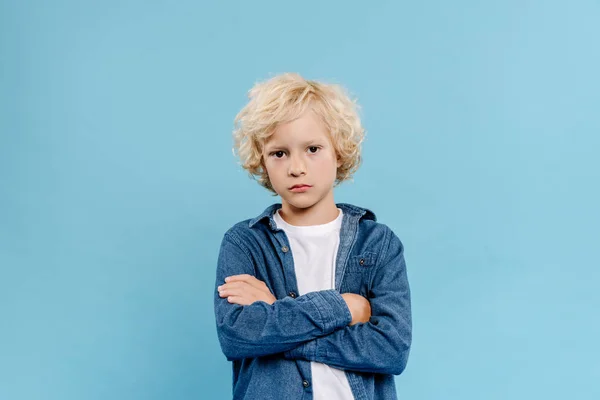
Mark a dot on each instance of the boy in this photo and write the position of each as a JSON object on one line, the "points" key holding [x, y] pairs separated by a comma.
{"points": [[312, 298]]}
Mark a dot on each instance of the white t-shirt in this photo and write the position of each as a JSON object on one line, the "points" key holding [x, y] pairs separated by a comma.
{"points": [[314, 250]]}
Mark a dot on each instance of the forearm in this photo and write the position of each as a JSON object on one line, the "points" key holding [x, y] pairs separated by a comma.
{"points": [[260, 329], [381, 345], [380, 348]]}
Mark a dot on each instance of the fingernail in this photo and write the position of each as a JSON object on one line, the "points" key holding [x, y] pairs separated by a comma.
{"points": [[227, 279]]}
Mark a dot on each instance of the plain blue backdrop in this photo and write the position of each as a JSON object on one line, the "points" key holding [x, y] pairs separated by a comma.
{"points": [[117, 182]]}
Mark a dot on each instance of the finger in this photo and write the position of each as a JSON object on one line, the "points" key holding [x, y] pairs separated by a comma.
{"points": [[239, 300], [233, 292], [230, 290], [251, 280], [237, 278], [237, 289], [234, 285]]}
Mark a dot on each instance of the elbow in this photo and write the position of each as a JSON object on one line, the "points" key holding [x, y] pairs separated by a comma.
{"points": [[401, 342], [234, 344], [394, 362], [400, 360], [230, 351], [237, 347], [402, 352], [231, 346], [236, 351], [390, 362], [396, 356], [233, 355]]}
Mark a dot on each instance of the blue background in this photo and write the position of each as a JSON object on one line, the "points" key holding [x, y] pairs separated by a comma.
{"points": [[117, 182]]}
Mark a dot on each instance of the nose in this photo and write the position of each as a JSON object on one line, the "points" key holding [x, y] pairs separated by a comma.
{"points": [[297, 166]]}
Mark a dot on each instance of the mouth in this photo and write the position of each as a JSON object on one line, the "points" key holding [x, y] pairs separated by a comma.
{"points": [[300, 188]]}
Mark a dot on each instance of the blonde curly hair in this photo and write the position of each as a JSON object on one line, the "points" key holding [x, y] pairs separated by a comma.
{"points": [[284, 98]]}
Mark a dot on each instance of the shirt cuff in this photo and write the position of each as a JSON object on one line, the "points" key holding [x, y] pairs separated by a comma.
{"points": [[334, 311]]}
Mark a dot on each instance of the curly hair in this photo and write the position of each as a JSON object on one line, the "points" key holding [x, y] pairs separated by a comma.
{"points": [[284, 98]]}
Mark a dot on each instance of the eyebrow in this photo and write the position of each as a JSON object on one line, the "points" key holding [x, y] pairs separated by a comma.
{"points": [[274, 146]]}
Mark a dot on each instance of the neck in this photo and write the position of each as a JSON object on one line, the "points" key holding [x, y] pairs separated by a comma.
{"points": [[320, 213]]}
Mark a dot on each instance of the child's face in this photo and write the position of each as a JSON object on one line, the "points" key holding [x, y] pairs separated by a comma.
{"points": [[301, 152]]}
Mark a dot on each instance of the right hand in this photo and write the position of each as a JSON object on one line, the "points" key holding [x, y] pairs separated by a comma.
{"points": [[245, 290], [360, 308]]}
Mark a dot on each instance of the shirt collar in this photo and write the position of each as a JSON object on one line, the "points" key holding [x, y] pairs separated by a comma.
{"points": [[348, 209]]}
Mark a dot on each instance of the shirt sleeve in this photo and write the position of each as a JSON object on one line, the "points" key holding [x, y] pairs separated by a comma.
{"points": [[260, 328], [381, 345]]}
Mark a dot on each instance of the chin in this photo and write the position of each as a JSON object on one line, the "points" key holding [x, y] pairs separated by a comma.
{"points": [[300, 203]]}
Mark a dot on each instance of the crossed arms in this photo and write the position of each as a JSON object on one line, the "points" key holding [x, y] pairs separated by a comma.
{"points": [[345, 331]]}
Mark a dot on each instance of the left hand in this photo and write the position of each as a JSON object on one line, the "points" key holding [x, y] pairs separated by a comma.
{"points": [[245, 289]]}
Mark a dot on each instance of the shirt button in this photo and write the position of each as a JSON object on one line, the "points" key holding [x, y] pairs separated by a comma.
{"points": [[284, 249], [362, 261], [305, 383], [293, 295]]}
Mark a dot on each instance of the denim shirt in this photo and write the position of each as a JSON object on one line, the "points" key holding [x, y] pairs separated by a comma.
{"points": [[271, 346]]}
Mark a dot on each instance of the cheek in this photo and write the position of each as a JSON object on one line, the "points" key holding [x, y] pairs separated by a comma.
{"points": [[326, 163], [274, 171]]}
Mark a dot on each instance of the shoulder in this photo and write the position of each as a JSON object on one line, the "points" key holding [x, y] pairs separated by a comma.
{"points": [[238, 232], [379, 234], [367, 219], [257, 223], [252, 234]]}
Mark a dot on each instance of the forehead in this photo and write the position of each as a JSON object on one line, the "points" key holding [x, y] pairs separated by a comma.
{"points": [[306, 128]]}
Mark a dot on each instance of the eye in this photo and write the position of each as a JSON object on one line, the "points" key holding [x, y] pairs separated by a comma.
{"points": [[278, 154], [313, 149]]}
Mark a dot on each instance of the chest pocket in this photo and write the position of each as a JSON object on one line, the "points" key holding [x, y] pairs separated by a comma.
{"points": [[362, 263], [358, 273]]}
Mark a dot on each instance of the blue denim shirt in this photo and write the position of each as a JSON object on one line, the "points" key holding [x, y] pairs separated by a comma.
{"points": [[271, 346]]}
